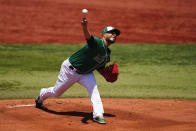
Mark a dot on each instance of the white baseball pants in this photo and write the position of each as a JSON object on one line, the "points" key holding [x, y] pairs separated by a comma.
{"points": [[67, 77]]}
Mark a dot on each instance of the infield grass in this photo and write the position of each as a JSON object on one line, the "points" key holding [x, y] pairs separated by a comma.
{"points": [[161, 71]]}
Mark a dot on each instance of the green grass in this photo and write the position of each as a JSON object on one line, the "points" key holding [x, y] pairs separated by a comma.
{"points": [[161, 71]]}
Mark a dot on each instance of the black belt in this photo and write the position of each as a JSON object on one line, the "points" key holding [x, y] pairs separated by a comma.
{"points": [[72, 68]]}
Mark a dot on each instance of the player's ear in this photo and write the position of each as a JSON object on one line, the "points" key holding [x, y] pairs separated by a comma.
{"points": [[104, 35]]}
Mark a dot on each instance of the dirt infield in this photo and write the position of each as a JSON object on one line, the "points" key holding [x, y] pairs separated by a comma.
{"points": [[120, 114], [143, 21]]}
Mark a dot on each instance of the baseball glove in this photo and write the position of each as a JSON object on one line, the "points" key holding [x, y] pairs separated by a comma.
{"points": [[110, 73]]}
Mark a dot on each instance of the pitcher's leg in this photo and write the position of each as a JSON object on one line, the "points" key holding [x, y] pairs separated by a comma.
{"points": [[56, 91], [65, 80], [89, 82], [96, 102]]}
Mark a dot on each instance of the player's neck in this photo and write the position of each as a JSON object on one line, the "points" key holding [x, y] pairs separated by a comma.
{"points": [[106, 43]]}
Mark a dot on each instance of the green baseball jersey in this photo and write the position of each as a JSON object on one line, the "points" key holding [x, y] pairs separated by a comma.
{"points": [[92, 56]]}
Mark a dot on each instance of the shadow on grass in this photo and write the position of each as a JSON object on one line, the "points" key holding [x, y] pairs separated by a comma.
{"points": [[86, 116]]}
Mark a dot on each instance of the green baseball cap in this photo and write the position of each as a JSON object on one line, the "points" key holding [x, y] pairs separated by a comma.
{"points": [[110, 29]]}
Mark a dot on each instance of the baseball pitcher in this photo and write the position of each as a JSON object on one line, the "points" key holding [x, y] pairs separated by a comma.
{"points": [[80, 66]]}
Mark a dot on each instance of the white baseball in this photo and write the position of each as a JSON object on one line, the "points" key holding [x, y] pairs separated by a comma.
{"points": [[84, 11]]}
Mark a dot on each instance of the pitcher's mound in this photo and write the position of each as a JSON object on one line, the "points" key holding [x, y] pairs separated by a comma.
{"points": [[120, 114]]}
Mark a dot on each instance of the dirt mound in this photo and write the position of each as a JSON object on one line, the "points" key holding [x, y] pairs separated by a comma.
{"points": [[120, 114], [144, 21]]}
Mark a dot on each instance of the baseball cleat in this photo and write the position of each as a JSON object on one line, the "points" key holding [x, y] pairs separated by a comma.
{"points": [[37, 103], [99, 120]]}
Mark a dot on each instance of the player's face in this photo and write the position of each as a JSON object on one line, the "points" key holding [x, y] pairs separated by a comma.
{"points": [[111, 37]]}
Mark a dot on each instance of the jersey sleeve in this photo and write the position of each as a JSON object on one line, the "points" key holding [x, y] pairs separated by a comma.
{"points": [[92, 43]]}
